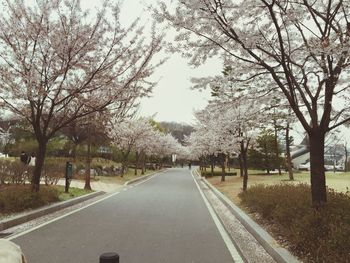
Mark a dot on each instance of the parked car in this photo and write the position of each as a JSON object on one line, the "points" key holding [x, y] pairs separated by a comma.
{"points": [[304, 166], [339, 167], [329, 167]]}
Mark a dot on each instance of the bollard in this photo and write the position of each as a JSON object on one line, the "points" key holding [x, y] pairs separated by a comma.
{"points": [[68, 176], [110, 257]]}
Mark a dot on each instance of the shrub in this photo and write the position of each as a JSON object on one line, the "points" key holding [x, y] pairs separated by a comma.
{"points": [[217, 173], [19, 198], [52, 172], [14, 172], [314, 235]]}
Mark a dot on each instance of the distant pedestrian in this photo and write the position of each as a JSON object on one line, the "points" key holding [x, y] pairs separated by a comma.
{"points": [[31, 161], [189, 165], [24, 157]]}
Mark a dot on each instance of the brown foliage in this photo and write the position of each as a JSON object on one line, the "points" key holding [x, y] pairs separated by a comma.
{"points": [[321, 235]]}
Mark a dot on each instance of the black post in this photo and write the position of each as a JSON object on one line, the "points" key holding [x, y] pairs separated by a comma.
{"points": [[68, 176], [110, 257]]}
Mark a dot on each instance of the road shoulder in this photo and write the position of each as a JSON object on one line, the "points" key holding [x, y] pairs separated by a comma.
{"points": [[252, 241]]}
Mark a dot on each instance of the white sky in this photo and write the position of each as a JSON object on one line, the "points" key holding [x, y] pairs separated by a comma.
{"points": [[172, 99]]}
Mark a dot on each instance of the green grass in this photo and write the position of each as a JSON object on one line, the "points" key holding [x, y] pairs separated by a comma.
{"points": [[72, 193]]}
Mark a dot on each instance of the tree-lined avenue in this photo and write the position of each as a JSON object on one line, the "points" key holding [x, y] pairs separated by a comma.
{"points": [[161, 220]]}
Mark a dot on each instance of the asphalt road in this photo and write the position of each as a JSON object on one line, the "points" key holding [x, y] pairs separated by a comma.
{"points": [[163, 220]]}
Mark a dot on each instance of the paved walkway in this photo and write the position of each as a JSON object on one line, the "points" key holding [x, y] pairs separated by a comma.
{"points": [[95, 185]]}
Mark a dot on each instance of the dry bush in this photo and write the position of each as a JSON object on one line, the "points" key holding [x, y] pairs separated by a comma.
{"points": [[14, 172], [52, 172], [16, 198], [314, 235]]}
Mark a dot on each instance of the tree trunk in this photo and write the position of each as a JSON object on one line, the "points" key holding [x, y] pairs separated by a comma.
{"points": [[288, 157], [74, 151], [228, 163], [125, 156], [267, 157], [244, 165], [318, 179], [137, 162], [123, 168], [212, 165], [39, 163], [143, 161], [277, 152], [88, 166], [240, 163], [223, 157], [346, 157]]}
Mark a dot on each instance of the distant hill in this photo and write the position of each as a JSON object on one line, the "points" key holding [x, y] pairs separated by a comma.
{"points": [[178, 130]]}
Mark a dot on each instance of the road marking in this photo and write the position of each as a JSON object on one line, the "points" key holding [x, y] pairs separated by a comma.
{"points": [[79, 209], [230, 246], [146, 180], [60, 217]]}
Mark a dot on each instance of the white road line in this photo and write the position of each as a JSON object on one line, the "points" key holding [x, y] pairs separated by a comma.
{"points": [[60, 217], [230, 246], [146, 180], [77, 210]]}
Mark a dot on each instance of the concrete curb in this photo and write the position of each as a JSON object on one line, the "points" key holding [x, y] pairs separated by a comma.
{"points": [[277, 252], [20, 219], [142, 178]]}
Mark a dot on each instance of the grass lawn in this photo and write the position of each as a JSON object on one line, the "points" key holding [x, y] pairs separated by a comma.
{"points": [[72, 193], [233, 185]]}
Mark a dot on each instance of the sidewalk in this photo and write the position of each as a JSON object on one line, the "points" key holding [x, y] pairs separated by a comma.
{"points": [[95, 185]]}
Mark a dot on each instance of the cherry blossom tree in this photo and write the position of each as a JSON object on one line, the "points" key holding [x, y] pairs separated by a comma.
{"points": [[242, 120], [202, 145], [230, 122], [281, 118], [164, 146], [301, 46], [129, 135], [145, 143], [142, 137], [59, 63], [217, 134]]}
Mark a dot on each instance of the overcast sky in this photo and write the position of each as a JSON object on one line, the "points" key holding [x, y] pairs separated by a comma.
{"points": [[172, 98]]}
